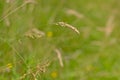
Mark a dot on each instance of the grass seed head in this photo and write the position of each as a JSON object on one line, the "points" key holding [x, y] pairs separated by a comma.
{"points": [[34, 33], [63, 24]]}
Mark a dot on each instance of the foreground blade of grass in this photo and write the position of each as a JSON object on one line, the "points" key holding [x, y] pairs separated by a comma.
{"points": [[18, 54], [10, 2], [28, 1]]}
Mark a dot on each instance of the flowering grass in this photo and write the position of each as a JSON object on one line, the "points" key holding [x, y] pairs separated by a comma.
{"points": [[32, 47]]}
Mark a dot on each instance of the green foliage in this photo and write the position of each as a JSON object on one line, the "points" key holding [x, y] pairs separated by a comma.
{"points": [[92, 55]]}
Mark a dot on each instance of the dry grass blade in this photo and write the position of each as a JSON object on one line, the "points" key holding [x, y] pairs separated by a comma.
{"points": [[74, 13], [109, 26], [63, 24], [59, 57]]}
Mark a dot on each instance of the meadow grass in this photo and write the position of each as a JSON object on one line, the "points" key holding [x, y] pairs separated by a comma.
{"points": [[59, 40]]}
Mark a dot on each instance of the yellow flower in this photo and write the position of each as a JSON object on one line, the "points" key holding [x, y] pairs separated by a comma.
{"points": [[54, 74], [9, 65], [49, 34]]}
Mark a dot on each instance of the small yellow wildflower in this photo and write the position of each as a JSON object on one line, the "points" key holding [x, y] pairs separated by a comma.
{"points": [[49, 34], [54, 74], [9, 65]]}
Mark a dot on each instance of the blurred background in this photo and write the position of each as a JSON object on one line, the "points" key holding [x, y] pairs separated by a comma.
{"points": [[34, 45]]}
